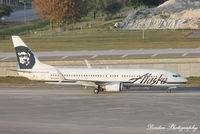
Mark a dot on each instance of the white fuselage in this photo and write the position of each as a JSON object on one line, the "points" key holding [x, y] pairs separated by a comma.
{"points": [[135, 77]]}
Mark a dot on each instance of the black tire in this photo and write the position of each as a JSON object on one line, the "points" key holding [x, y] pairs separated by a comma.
{"points": [[169, 90], [96, 91]]}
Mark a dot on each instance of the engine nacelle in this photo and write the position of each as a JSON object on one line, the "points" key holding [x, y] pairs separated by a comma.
{"points": [[113, 87]]}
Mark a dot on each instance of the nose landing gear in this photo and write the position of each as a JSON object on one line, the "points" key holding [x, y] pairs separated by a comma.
{"points": [[169, 90]]}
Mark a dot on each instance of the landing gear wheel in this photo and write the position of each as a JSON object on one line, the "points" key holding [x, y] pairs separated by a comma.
{"points": [[96, 91], [169, 90]]}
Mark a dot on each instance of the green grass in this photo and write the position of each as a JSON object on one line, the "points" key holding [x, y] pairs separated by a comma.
{"points": [[85, 19], [192, 81], [18, 81], [98, 39], [24, 29], [107, 24]]}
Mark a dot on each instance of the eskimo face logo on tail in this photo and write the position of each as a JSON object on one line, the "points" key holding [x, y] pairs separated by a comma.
{"points": [[25, 57]]}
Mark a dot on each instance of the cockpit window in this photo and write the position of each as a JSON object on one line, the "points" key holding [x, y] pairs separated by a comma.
{"points": [[176, 75]]}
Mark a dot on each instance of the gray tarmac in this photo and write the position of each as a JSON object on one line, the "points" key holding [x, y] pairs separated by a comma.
{"points": [[109, 54], [75, 110]]}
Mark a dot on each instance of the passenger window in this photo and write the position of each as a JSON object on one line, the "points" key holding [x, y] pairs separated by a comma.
{"points": [[176, 76]]}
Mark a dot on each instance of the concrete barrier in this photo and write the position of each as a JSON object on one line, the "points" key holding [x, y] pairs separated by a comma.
{"points": [[184, 66]]}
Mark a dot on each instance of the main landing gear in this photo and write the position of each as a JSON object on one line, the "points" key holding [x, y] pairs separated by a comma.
{"points": [[97, 90], [169, 90]]}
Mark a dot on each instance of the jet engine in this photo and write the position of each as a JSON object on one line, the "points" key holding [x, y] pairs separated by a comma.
{"points": [[113, 87]]}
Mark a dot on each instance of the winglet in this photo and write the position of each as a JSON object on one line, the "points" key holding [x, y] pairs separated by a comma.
{"points": [[88, 64], [61, 76]]}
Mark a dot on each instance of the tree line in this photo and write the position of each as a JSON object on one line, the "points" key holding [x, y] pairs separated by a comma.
{"points": [[147, 3], [5, 10], [70, 11]]}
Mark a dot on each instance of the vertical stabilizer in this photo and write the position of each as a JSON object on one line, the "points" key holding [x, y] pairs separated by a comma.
{"points": [[25, 56]]}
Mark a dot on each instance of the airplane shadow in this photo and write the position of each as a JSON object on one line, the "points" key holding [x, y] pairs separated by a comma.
{"points": [[163, 89]]}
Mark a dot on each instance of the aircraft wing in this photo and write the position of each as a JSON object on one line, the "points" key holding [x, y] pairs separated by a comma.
{"points": [[80, 82]]}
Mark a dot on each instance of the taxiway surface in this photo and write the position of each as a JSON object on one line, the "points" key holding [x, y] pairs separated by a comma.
{"points": [[67, 110], [111, 54]]}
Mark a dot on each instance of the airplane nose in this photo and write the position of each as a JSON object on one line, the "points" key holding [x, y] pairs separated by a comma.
{"points": [[184, 80]]}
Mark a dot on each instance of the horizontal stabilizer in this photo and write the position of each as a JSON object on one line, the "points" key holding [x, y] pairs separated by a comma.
{"points": [[26, 71]]}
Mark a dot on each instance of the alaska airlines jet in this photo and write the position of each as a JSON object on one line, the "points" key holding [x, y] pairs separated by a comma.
{"points": [[111, 80]]}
